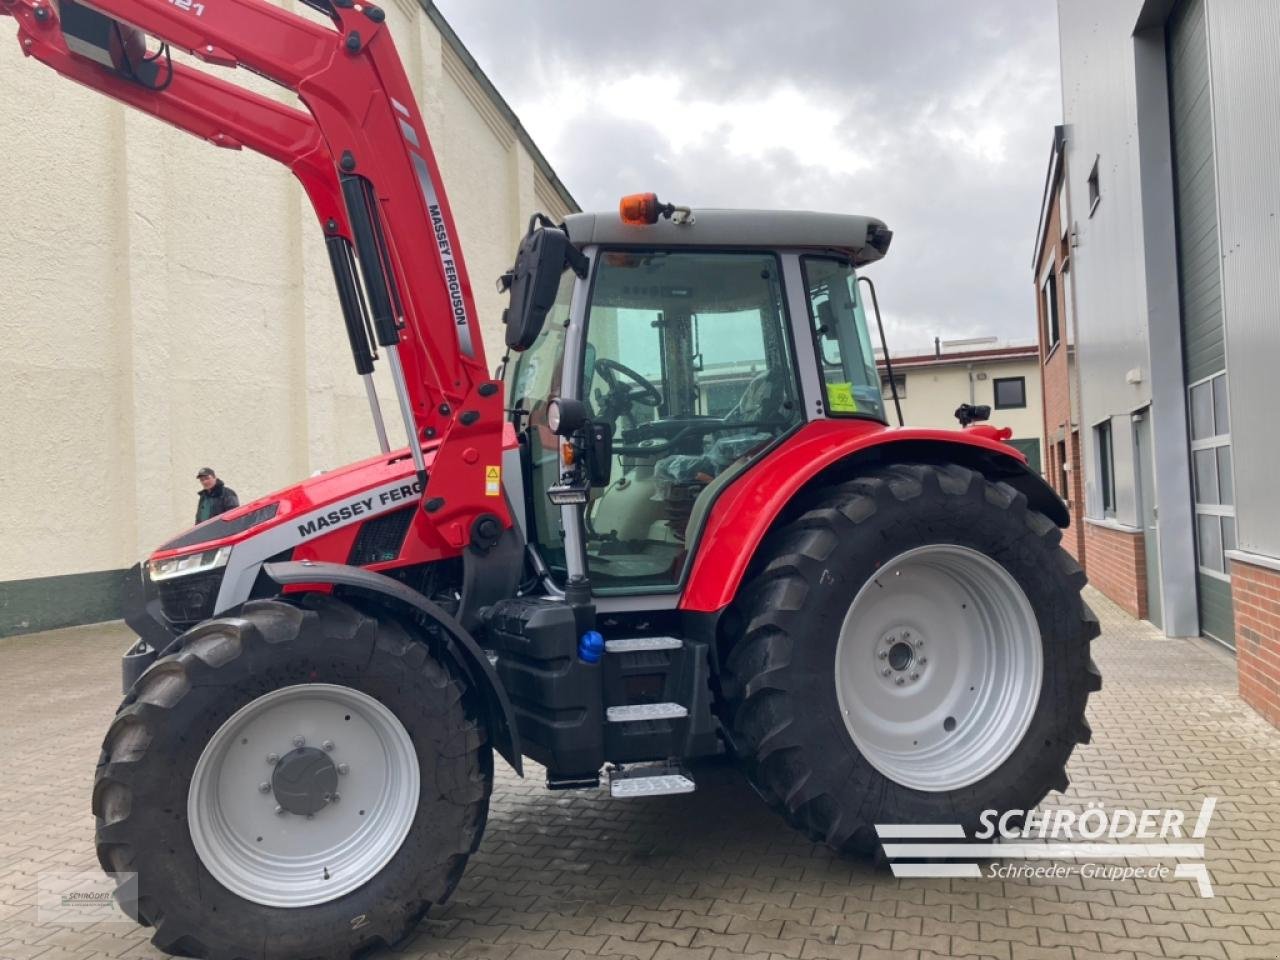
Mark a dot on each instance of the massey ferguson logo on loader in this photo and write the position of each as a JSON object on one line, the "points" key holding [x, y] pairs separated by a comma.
{"points": [[450, 266]]}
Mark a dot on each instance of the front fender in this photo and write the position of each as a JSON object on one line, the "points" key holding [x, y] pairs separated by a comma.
{"points": [[501, 718], [830, 451]]}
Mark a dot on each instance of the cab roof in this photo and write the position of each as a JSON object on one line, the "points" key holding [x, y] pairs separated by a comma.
{"points": [[865, 238]]}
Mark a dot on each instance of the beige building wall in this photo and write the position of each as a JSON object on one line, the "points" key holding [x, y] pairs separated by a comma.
{"points": [[935, 389], [166, 305]]}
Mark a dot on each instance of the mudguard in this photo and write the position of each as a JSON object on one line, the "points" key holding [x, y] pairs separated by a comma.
{"points": [[501, 718], [830, 451]]}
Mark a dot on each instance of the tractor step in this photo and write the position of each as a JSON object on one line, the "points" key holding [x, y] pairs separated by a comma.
{"points": [[641, 644], [633, 712], [649, 781]]}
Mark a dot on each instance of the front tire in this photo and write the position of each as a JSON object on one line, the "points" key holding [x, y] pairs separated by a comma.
{"points": [[294, 781], [915, 651]]}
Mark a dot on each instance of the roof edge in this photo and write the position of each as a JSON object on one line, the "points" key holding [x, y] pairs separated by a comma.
{"points": [[1053, 174], [455, 43]]}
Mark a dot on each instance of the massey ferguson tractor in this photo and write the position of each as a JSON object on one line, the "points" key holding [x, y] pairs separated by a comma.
{"points": [[675, 524]]}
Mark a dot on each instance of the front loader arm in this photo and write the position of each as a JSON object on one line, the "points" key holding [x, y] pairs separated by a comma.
{"points": [[223, 113], [360, 151]]}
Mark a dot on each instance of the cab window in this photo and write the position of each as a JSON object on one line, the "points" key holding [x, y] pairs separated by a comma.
{"points": [[851, 383], [533, 379]]}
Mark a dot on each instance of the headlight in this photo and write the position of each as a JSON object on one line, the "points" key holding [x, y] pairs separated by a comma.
{"points": [[188, 563]]}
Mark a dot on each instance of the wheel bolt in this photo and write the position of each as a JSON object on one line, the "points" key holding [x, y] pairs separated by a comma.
{"points": [[885, 672], [299, 741], [335, 798], [273, 758], [328, 744], [900, 681], [279, 810], [884, 654], [264, 787], [343, 769], [915, 676], [923, 661]]}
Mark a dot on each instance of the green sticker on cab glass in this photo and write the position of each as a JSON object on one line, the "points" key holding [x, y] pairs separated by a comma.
{"points": [[840, 398]]}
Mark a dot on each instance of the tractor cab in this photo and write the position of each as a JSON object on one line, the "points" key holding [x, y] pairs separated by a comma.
{"points": [[691, 345]]}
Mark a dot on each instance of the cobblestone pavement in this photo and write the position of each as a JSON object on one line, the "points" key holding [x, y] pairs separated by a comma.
{"points": [[712, 875]]}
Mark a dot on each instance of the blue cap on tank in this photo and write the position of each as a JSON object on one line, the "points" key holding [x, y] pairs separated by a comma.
{"points": [[590, 647]]}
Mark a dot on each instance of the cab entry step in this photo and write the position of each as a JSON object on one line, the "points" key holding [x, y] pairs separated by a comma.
{"points": [[649, 781], [645, 711], [641, 644]]}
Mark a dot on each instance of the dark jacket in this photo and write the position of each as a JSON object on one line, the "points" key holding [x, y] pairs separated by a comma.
{"points": [[219, 499]]}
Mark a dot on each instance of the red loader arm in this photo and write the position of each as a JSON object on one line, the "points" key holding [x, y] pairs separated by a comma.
{"points": [[361, 153]]}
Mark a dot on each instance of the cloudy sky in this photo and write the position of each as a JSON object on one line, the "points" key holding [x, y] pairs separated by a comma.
{"points": [[933, 115]]}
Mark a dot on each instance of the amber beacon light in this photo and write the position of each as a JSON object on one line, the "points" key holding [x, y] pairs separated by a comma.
{"points": [[642, 209]]}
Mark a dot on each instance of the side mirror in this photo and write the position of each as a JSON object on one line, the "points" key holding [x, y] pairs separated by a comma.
{"points": [[543, 255], [827, 321], [971, 413]]}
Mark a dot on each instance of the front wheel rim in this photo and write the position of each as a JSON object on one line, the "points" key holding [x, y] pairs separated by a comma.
{"points": [[303, 795], [938, 667]]}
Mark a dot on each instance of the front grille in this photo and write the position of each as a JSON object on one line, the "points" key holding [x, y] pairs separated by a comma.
{"points": [[381, 538], [187, 600]]}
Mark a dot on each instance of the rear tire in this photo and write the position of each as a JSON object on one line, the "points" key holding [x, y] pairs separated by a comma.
{"points": [[793, 697], [192, 704]]}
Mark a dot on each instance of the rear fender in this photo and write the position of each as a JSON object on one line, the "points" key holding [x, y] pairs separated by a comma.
{"points": [[499, 715], [826, 452]]}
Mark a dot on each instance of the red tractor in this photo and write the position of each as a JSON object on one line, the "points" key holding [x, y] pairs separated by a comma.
{"points": [[676, 524]]}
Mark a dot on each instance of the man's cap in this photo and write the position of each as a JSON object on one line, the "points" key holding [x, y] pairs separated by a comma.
{"points": [[205, 472]]}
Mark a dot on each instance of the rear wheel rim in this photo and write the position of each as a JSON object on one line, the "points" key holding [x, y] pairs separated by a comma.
{"points": [[303, 795], [938, 667]]}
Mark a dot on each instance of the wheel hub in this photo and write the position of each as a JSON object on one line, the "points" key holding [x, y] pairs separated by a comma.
{"points": [[305, 781], [901, 657]]}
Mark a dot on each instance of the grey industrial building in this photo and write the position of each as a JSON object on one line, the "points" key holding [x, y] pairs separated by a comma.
{"points": [[1171, 152]]}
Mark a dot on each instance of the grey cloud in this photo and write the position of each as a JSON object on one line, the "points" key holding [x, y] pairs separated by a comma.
{"points": [[900, 75]]}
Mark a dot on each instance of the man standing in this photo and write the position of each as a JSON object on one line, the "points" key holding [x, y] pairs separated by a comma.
{"points": [[215, 498]]}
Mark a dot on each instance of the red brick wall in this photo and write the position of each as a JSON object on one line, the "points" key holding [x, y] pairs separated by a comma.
{"points": [[1255, 594], [1117, 565], [1073, 540], [1056, 380]]}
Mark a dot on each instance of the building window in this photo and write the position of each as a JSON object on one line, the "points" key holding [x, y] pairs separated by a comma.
{"points": [[1211, 474], [1049, 300], [1010, 392], [1106, 467], [1095, 195], [899, 381]]}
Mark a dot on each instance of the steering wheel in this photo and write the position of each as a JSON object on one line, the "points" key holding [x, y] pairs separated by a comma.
{"points": [[617, 402]]}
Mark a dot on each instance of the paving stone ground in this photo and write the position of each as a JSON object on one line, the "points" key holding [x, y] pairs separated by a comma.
{"points": [[712, 875]]}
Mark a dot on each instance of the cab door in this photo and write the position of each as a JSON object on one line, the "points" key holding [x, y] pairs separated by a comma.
{"points": [[687, 357]]}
